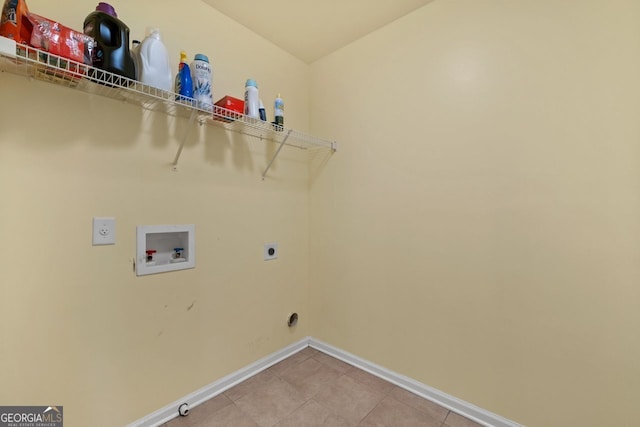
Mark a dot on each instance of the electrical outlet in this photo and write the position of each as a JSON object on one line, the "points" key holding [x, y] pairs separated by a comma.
{"points": [[104, 231], [270, 251]]}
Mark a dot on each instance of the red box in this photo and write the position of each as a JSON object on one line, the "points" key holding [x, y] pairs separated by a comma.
{"points": [[235, 105], [53, 37]]}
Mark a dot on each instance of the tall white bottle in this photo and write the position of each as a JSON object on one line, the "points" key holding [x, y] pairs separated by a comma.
{"points": [[202, 77], [278, 112], [251, 100], [155, 69]]}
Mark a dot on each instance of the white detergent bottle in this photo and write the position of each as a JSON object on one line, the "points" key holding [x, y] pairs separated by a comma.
{"points": [[202, 77], [155, 69], [251, 100]]}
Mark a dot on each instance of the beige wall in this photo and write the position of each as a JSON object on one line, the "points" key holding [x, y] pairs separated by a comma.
{"points": [[478, 228], [77, 327]]}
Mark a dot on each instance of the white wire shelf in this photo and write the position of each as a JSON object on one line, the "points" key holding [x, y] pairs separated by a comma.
{"points": [[34, 63]]}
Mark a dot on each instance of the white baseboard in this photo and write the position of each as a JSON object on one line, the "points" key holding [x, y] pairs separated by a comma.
{"points": [[452, 403], [194, 399]]}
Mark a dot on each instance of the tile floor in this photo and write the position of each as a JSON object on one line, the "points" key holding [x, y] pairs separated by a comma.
{"points": [[311, 388]]}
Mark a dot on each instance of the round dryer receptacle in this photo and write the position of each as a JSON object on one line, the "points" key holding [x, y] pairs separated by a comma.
{"points": [[292, 320]]}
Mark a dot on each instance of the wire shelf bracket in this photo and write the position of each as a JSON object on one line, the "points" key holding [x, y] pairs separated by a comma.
{"points": [[187, 132], [273, 159]]}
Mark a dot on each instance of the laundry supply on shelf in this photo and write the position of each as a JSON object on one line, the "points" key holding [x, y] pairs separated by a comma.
{"points": [[184, 83], [251, 99], [111, 52], [202, 77], [153, 58]]}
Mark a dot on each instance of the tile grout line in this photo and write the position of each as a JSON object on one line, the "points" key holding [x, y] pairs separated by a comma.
{"points": [[326, 407], [294, 386], [388, 394], [372, 409], [444, 422], [243, 412], [278, 375]]}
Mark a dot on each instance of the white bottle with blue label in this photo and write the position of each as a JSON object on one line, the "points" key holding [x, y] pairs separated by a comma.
{"points": [[202, 77], [278, 112]]}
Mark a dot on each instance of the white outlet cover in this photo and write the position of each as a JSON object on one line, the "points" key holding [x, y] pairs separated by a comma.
{"points": [[270, 251], [104, 231]]}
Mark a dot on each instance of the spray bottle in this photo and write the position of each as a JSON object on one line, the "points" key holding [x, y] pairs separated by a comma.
{"points": [[184, 84]]}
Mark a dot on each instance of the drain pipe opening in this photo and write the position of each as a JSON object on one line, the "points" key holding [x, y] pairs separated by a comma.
{"points": [[292, 320]]}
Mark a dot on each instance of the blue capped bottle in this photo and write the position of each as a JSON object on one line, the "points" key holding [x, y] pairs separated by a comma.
{"points": [[202, 77], [184, 84]]}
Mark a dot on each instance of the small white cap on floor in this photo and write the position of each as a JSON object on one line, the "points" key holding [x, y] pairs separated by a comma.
{"points": [[183, 410]]}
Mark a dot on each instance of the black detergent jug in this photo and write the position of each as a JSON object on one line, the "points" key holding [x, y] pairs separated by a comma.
{"points": [[111, 51]]}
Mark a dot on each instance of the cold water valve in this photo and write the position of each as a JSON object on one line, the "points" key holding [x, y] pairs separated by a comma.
{"points": [[178, 255]]}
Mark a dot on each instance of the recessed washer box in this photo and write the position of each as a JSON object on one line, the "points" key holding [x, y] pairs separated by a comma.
{"points": [[163, 248]]}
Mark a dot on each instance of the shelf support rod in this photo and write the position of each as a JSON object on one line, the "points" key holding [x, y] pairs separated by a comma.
{"points": [[276, 154], [192, 119]]}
